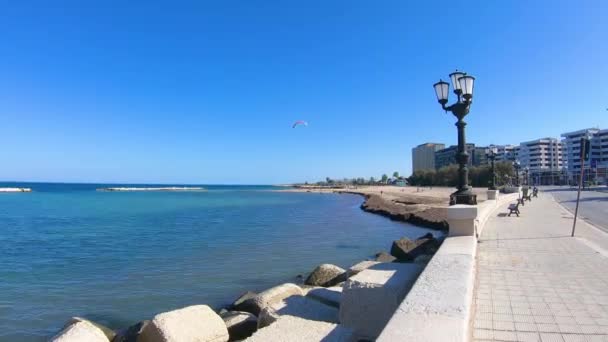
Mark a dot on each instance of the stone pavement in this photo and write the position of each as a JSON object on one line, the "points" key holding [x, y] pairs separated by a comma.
{"points": [[535, 282]]}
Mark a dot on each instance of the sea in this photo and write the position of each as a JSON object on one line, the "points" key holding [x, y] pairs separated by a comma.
{"points": [[121, 257]]}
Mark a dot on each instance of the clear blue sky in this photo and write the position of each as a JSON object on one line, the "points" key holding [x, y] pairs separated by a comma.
{"points": [[206, 91]]}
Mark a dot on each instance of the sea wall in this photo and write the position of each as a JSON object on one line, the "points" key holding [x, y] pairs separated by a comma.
{"points": [[438, 307]]}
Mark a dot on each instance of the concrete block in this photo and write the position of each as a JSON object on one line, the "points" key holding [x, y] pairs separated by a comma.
{"points": [[271, 296], [193, 323], [370, 298], [327, 295], [80, 331], [298, 306], [294, 329], [438, 307], [358, 267], [492, 194], [461, 219]]}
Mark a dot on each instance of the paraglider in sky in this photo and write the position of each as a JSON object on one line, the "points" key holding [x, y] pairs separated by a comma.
{"points": [[298, 123]]}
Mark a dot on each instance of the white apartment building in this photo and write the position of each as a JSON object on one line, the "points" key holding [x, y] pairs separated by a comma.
{"points": [[596, 168], [543, 158], [505, 152]]}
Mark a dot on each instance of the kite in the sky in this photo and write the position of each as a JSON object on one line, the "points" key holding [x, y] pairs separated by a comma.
{"points": [[298, 123]]}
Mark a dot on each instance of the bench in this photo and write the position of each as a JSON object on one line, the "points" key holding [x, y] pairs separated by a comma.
{"points": [[520, 201], [514, 208], [535, 192], [527, 197]]}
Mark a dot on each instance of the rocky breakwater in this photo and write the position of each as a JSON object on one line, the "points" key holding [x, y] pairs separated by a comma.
{"points": [[421, 211], [332, 304], [15, 190]]}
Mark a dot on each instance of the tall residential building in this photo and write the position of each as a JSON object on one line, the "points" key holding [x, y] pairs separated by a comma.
{"points": [[596, 168], [543, 158], [572, 150], [506, 152], [447, 156], [423, 156]]}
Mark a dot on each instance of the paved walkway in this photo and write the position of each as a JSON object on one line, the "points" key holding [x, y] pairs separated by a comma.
{"points": [[536, 283]]}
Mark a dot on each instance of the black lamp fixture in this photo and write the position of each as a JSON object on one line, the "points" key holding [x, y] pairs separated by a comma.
{"points": [[516, 166], [491, 155], [463, 88]]}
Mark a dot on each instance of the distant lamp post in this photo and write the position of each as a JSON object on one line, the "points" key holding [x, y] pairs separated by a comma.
{"points": [[526, 171], [463, 88], [516, 166], [491, 155]]}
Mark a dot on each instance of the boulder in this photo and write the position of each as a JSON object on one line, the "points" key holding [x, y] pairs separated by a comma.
{"points": [[130, 334], [241, 299], [295, 329], [271, 296], [407, 250], [327, 295], [193, 323], [240, 324], [298, 306], [384, 257], [356, 268], [106, 331], [326, 275], [80, 330]]}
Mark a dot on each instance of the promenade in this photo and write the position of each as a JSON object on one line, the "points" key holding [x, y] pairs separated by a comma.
{"points": [[535, 282]]}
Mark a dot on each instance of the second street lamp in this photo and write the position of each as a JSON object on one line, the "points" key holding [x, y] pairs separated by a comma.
{"points": [[516, 166], [491, 155], [463, 88]]}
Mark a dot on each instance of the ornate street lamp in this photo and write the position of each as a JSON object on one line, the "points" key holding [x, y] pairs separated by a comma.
{"points": [[516, 166], [491, 155], [463, 88]]}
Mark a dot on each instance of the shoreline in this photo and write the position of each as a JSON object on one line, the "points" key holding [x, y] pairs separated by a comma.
{"points": [[421, 206]]}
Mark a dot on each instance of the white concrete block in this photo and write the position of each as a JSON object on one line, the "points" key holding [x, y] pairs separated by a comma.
{"points": [[370, 298], [298, 306], [327, 295], [193, 323], [461, 220], [492, 194], [80, 331], [295, 329]]}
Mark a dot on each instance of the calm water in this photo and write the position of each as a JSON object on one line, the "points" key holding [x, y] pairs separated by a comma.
{"points": [[119, 257]]}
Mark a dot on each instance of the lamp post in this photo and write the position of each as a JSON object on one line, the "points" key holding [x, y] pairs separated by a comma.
{"points": [[516, 166], [463, 88], [491, 155], [526, 180]]}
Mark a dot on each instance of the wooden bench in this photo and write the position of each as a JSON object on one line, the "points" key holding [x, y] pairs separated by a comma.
{"points": [[535, 192], [527, 197], [514, 208]]}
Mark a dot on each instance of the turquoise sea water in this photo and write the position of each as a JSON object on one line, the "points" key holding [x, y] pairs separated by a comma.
{"points": [[120, 257]]}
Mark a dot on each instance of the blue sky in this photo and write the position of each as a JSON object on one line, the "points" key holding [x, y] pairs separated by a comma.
{"points": [[206, 91]]}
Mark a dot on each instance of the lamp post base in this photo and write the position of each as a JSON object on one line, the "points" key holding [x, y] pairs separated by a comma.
{"points": [[463, 197]]}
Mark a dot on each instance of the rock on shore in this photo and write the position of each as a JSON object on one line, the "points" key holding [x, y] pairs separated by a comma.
{"points": [[131, 334], [240, 324], [78, 329], [326, 275], [407, 250], [192, 323], [271, 296]]}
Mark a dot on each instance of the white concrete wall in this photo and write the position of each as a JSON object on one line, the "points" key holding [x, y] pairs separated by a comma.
{"points": [[438, 307]]}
